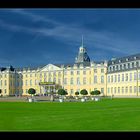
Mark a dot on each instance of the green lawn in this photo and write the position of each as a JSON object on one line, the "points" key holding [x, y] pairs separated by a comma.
{"points": [[105, 115]]}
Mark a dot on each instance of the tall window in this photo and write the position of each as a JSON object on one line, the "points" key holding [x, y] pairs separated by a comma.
{"points": [[65, 73], [126, 89], [128, 65], [118, 67], [84, 72], [111, 90], [135, 89], [71, 81], [118, 77], [108, 90], [122, 77], [139, 89], [102, 70], [84, 80], [71, 72], [139, 75], [118, 89], [95, 79], [108, 79], [65, 81], [5, 83], [126, 77], [135, 76], [111, 78], [30, 82], [102, 90], [78, 81], [26, 82], [130, 76], [122, 89], [115, 90], [130, 89], [132, 64], [102, 79], [115, 78], [35, 82], [78, 72], [95, 70]]}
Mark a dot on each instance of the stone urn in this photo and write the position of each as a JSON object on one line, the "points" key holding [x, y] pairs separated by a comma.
{"points": [[97, 98], [61, 100], [31, 100], [83, 100]]}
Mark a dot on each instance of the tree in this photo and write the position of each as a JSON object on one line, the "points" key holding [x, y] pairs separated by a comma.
{"points": [[96, 92], [32, 91], [83, 92], [76, 93], [92, 93], [62, 92]]}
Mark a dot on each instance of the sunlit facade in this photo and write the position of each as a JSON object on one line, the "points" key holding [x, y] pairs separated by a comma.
{"points": [[118, 77]]}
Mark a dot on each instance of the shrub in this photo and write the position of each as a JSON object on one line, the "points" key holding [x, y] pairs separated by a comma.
{"points": [[32, 91], [76, 93], [96, 92], [92, 93], [83, 92], [62, 92]]}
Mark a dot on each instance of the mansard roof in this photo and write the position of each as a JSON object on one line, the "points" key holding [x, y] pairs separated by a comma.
{"points": [[124, 59]]}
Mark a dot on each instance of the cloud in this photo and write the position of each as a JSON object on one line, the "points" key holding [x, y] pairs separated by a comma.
{"points": [[33, 17], [71, 34]]}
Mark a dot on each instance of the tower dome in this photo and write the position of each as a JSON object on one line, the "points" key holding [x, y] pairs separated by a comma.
{"points": [[82, 57]]}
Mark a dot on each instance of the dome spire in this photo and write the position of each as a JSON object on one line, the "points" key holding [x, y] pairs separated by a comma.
{"points": [[82, 41]]}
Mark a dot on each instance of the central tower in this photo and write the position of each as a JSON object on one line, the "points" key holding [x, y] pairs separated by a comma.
{"points": [[82, 57]]}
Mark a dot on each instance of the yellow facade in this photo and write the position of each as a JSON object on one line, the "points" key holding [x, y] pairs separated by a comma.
{"points": [[75, 77]]}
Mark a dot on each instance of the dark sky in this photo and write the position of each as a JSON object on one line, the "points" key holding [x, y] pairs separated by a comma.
{"points": [[32, 37]]}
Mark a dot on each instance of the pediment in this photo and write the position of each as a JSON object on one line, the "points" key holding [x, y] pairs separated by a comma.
{"points": [[50, 67]]}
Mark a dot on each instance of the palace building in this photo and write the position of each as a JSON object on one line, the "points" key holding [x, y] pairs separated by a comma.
{"points": [[118, 77]]}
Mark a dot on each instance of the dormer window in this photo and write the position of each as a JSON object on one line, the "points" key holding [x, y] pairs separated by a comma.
{"points": [[112, 62], [119, 61], [126, 59], [135, 57]]}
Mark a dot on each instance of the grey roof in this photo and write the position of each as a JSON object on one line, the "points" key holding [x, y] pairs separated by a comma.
{"points": [[124, 59], [82, 57], [29, 68], [7, 68]]}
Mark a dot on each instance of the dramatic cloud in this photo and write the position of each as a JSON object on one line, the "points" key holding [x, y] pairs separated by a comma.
{"points": [[98, 42]]}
